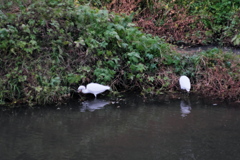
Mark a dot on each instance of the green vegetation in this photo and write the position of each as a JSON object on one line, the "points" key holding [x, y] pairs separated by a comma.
{"points": [[50, 47], [188, 22]]}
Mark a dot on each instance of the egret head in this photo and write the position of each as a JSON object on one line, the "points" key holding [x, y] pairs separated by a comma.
{"points": [[80, 88]]}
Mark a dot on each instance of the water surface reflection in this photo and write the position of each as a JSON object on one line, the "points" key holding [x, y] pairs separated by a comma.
{"points": [[154, 130], [185, 107], [91, 105]]}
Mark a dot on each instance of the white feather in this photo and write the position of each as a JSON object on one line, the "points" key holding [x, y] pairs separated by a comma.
{"points": [[93, 88], [185, 83]]}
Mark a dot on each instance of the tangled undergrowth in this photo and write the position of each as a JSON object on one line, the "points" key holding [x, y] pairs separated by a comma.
{"points": [[185, 22], [50, 47], [219, 75], [213, 73]]}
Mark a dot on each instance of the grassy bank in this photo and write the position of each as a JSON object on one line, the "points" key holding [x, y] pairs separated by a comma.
{"points": [[188, 22], [48, 48]]}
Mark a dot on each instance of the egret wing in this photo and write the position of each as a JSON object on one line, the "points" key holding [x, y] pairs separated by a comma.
{"points": [[95, 87]]}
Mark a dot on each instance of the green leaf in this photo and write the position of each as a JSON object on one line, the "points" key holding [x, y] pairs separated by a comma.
{"points": [[134, 56]]}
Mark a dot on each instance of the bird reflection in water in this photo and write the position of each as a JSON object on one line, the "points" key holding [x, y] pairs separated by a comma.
{"points": [[185, 107], [92, 105]]}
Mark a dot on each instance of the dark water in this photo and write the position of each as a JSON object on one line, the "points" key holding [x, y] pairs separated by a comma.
{"points": [[130, 130]]}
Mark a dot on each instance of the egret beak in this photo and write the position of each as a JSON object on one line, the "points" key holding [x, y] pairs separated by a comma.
{"points": [[79, 90]]}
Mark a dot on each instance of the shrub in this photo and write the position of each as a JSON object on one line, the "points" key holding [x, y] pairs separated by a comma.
{"points": [[184, 22], [48, 46]]}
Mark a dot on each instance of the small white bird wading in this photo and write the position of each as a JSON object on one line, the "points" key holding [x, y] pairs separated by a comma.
{"points": [[185, 83], [93, 88]]}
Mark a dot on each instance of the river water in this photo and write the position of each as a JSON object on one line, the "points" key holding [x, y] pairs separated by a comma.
{"points": [[190, 129]]}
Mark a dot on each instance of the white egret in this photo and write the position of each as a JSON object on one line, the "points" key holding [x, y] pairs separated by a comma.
{"points": [[185, 83], [93, 88]]}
